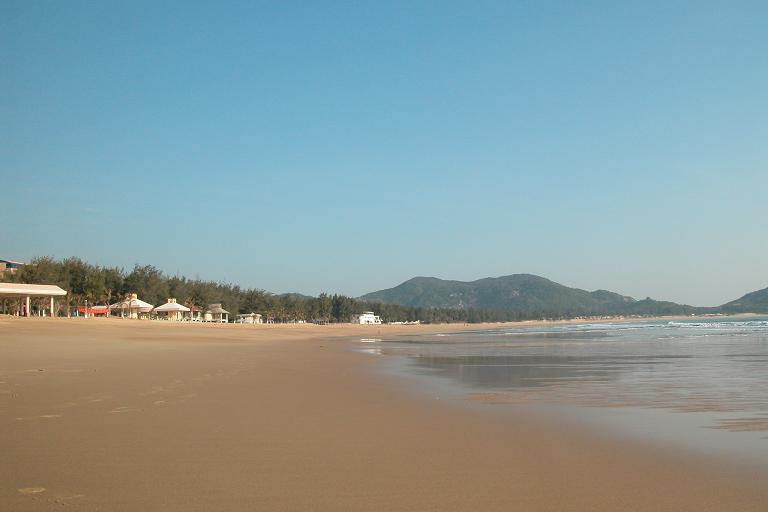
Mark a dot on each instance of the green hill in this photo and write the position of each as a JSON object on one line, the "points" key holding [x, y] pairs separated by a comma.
{"points": [[526, 294], [755, 302]]}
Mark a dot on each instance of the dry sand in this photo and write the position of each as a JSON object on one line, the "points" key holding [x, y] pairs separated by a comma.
{"points": [[141, 416]]}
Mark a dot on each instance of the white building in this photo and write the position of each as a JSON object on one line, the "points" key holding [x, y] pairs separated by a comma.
{"points": [[10, 266], [249, 318], [368, 318]]}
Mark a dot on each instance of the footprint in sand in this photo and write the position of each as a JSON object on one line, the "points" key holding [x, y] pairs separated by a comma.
{"points": [[94, 398], [31, 490], [155, 390], [43, 416], [183, 398], [62, 500], [118, 410]]}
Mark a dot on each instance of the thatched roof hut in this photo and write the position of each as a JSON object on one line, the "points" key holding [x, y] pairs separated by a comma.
{"points": [[215, 313]]}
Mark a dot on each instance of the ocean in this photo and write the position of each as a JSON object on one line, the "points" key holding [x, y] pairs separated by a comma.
{"points": [[700, 384]]}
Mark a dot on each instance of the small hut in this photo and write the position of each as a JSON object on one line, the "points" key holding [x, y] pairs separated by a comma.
{"points": [[249, 318], [171, 310], [195, 313], [215, 313], [132, 307]]}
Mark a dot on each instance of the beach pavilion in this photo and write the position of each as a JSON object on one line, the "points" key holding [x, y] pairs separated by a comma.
{"points": [[24, 293], [215, 313], [172, 310], [195, 313], [249, 318], [134, 307]]}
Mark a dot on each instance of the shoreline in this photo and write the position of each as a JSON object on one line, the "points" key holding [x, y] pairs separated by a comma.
{"points": [[652, 428], [124, 415], [316, 331]]}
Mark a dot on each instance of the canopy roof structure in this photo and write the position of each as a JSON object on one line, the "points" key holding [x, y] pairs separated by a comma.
{"points": [[133, 303], [170, 307], [25, 293], [30, 290]]}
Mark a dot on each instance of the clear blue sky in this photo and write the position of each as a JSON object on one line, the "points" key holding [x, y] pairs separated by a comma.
{"points": [[348, 146]]}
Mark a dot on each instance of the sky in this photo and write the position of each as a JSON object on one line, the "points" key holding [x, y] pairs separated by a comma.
{"points": [[348, 146]]}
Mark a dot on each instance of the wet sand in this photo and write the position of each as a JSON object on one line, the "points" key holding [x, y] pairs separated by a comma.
{"points": [[126, 415]]}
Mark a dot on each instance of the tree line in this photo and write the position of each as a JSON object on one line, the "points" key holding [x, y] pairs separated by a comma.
{"points": [[107, 285]]}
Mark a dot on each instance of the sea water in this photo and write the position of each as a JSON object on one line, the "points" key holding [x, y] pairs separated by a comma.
{"points": [[700, 383]]}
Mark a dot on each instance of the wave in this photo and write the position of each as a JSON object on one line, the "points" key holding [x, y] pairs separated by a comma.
{"points": [[720, 324]]}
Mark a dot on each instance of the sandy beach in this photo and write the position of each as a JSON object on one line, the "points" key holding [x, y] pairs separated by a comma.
{"points": [[128, 415]]}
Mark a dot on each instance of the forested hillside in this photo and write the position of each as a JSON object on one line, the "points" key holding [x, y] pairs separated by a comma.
{"points": [[524, 295], [427, 299], [106, 285], [755, 302]]}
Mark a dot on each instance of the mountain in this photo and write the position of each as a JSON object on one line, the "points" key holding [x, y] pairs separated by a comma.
{"points": [[755, 302], [525, 294]]}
